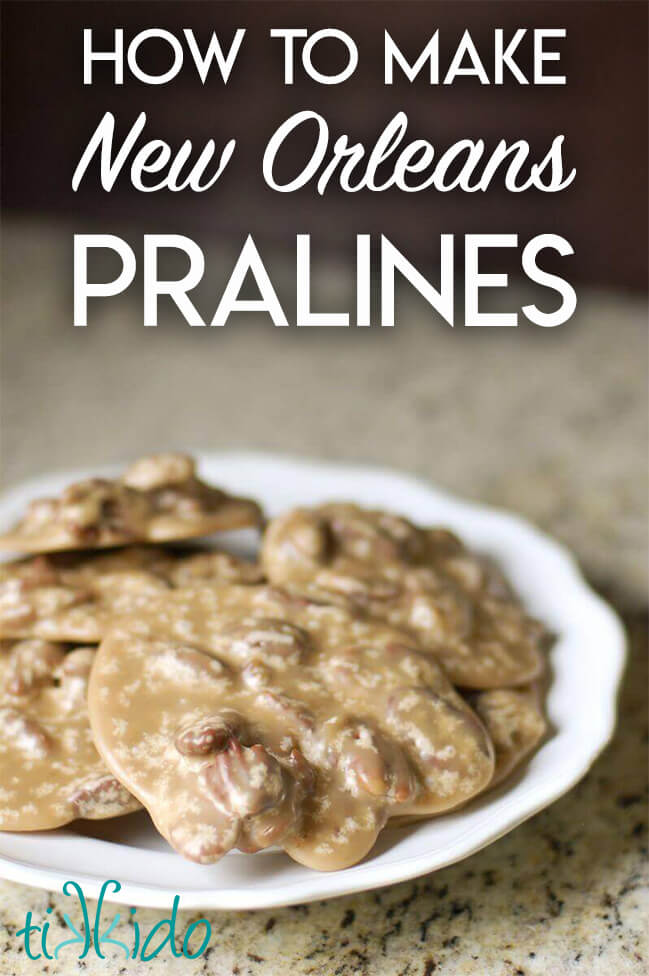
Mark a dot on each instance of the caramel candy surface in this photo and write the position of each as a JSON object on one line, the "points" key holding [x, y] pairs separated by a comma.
{"points": [[515, 722], [72, 596], [50, 771], [249, 716], [425, 581], [157, 499]]}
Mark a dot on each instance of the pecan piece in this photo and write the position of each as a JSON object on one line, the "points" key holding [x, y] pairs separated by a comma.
{"points": [[442, 614], [246, 780], [443, 542], [81, 505], [294, 713], [256, 675], [76, 664], [369, 760], [103, 797], [184, 662], [268, 638], [206, 844], [16, 606], [24, 732], [310, 536], [422, 716], [159, 470], [249, 785], [467, 570], [209, 734], [97, 506], [39, 512], [376, 536], [214, 567], [360, 589], [32, 664], [301, 769], [302, 595]]}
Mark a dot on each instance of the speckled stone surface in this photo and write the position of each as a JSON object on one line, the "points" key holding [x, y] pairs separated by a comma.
{"points": [[551, 423]]}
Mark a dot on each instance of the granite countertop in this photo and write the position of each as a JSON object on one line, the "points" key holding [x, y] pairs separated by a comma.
{"points": [[550, 423]]}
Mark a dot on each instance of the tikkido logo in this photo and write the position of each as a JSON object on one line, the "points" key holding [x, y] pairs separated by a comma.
{"points": [[90, 937]]}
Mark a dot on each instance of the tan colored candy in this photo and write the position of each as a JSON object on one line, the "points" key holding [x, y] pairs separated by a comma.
{"points": [[157, 499], [514, 719], [50, 771], [72, 596], [247, 717], [425, 581], [211, 569]]}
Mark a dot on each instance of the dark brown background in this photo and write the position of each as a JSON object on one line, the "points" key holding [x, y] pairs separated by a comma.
{"points": [[48, 116]]}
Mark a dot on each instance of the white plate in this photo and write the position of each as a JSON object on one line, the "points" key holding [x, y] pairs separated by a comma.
{"points": [[587, 661]]}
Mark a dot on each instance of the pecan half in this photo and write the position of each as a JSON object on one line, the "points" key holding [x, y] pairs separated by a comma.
{"points": [[249, 785], [208, 735], [369, 760]]}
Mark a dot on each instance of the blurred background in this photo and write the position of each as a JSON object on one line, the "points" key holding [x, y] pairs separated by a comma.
{"points": [[49, 115], [549, 422]]}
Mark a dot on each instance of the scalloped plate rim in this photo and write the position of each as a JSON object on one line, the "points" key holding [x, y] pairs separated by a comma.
{"points": [[487, 820]]}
